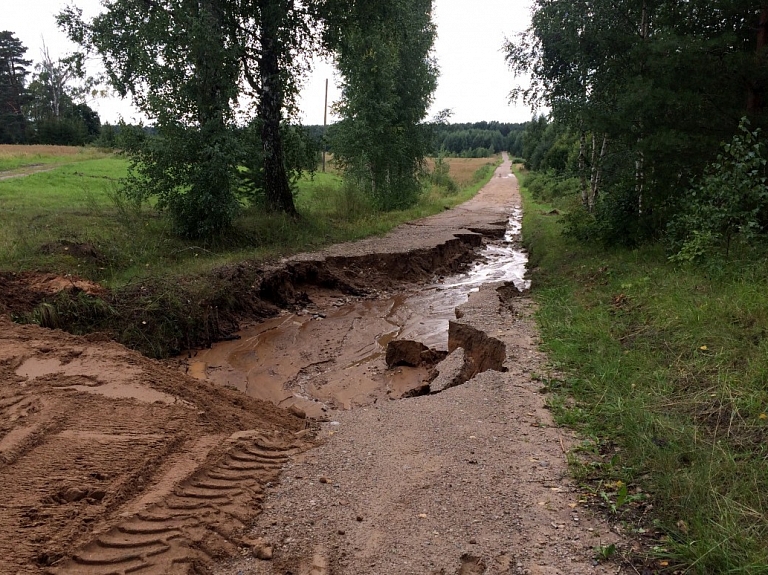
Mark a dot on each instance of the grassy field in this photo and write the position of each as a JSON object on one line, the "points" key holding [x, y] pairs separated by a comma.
{"points": [[71, 220], [665, 370], [14, 158]]}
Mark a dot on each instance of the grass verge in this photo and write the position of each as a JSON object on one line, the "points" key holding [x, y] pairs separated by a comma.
{"points": [[665, 370]]}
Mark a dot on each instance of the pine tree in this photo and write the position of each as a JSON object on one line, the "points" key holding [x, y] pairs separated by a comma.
{"points": [[13, 92]]}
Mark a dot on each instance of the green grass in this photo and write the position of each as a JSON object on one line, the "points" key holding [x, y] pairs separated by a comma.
{"points": [[665, 370], [43, 214]]}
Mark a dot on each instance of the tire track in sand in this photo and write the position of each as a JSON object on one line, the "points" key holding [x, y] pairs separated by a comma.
{"points": [[193, 523]]}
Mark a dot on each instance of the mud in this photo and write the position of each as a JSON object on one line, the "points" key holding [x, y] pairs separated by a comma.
{"points": [[112, 463]]}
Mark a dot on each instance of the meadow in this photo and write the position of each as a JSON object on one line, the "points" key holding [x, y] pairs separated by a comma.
{"points": [[71, 218], [664, 369]]}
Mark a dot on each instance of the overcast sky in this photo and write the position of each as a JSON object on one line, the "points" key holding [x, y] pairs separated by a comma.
{"points": [[474, 80]]}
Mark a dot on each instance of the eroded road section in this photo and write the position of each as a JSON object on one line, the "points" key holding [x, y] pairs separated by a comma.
{"points": [[470, 480], [340, 352], [112, 463]]}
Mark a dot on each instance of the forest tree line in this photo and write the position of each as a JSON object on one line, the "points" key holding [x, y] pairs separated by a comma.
{"points": [[656, 112], [43, 102], [462, 140]]}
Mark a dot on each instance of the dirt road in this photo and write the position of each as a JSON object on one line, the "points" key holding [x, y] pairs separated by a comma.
{"points": [[469, 480], [112, 463]]}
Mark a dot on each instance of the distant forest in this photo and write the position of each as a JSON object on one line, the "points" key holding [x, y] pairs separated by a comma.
{"points": [[471, 140]]}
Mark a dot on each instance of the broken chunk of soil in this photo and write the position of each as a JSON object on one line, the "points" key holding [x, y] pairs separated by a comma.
{"points": [[482, 352], [452, 371], [411, 354]]}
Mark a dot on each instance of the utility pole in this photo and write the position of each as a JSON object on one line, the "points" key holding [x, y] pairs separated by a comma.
{"points": [[325, 123]]}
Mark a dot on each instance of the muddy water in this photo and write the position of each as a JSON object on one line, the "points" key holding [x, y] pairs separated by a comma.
{"points": [[331, 355]]}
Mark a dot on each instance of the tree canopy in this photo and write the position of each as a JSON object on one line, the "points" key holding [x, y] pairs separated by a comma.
{"points": [[49, 108], [13, 96], [384, 55], [201, 70], [648, 89]]}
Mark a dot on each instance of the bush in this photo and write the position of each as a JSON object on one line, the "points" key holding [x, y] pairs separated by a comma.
{"points": [[546, 186], [441, 177], [729, 203]]}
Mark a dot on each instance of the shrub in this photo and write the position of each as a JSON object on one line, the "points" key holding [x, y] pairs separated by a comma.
{"points": [[729, 203]]}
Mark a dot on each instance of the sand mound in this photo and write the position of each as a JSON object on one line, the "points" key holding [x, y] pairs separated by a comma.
{"points": [[111, 462]]}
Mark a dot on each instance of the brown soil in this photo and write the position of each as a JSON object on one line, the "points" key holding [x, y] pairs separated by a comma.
{"points": [[21, 292], [112, 463]]}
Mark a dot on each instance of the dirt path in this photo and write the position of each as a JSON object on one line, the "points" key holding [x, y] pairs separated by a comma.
{"points": [[470, 480], [26, 171]]}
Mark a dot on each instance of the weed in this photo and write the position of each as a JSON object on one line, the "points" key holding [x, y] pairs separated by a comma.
{"points": [[604, 553]]}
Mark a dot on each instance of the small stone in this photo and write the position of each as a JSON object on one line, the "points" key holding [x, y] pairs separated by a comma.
{"points": [[263, 552], [341, 532], [74, 494], [359, 517], [324, 480], [297, 411], [473, 541]]}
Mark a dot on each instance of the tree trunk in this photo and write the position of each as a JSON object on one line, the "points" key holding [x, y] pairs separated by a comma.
{"points": [[597, 171], [278, 190], [640, 181], [754, 99], [583, 169]]}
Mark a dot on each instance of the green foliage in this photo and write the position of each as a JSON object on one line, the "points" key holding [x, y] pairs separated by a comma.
{"points": [[190, 173], [186, 65], [729, 203], [388, 79], [664, 368], [441, 176], [301, 157], [636, 76], [547, 186]]}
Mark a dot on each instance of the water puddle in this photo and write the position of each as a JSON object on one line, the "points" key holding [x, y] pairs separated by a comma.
{"points": [[435, 305], [332, 356]]}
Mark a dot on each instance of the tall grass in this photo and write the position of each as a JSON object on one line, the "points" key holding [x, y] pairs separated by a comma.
{"points": [[665, 370]]}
